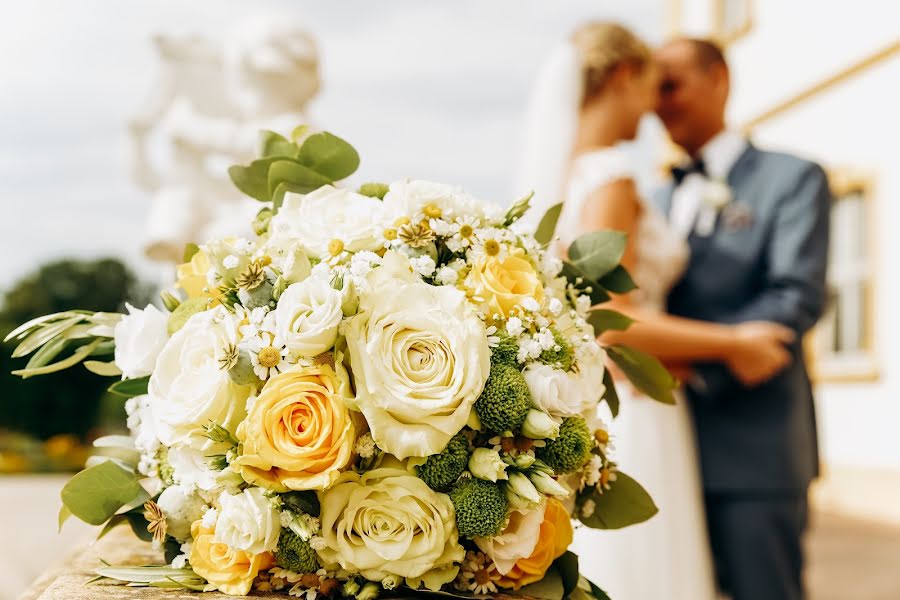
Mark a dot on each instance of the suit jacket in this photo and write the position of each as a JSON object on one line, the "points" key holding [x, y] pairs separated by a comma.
{"points": [[765, 260]]}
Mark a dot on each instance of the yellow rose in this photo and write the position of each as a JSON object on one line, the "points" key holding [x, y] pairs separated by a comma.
{"points": [[231, 571], [553, 540], [299, 433], [191, 277], [504, 283]]}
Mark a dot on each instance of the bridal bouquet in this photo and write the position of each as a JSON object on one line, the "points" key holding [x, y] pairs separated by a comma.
{"points": [[385, 389]]}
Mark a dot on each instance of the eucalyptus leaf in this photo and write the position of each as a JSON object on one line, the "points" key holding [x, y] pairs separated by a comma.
{"points": [[28, 325], [147, 575], [274, 144], [618, 281], [302, 502], [129, 388], [253, 179], [610, 395], [547, 227], [298, 178], [104, 369], [567, 565], [64, 514], [582, 282], [602, 319], [76, 357], [598, 252], [596, 592], [97, 493], [329, 155], [645, 372], [298, 133], [625, 503], [47, 353]]}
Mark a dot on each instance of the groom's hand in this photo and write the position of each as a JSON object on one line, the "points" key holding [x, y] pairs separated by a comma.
{"points": [[760, 351]]}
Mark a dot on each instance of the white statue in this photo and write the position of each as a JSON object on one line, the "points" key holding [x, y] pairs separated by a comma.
{"points": [[204, 114]]}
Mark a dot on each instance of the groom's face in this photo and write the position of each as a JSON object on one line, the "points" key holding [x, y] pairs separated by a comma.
{"points": [[692, 95]]}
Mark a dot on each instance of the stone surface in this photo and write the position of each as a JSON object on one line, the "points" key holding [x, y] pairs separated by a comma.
{"points": [[848, 558]]}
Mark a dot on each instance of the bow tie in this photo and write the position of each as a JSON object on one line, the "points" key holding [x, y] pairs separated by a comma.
{"points": [[682, 171]]}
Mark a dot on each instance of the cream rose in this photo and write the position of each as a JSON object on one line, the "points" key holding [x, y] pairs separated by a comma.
{"points": [[248, 521], [420, 359], [299, 433], [517, 541], [387, 522], [327, 214], [188, 387], [308, 315], [140, 336], [182, 506], [231, 571], [505, 283]]}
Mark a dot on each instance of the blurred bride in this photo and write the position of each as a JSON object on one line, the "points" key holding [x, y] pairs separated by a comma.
{"points": [[589, 98]]}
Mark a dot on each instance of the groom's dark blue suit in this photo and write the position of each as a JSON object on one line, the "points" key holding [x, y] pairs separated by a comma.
{"points": [[765, 260]]}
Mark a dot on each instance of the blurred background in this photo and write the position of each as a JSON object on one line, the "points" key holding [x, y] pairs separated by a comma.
{"points": [[114, 117]]}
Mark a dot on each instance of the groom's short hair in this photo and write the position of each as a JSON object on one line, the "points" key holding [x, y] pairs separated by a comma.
{"points": [[707, 52]]}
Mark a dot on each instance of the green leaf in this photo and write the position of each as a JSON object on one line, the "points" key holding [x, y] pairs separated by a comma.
{"points": [[253, 179], [103, 369], [610, 395], [567, 565], [645, 372], [44, 334], [618, 281], [129, 388], [80, 354], [597, 592], [189, 251], [303, 502], [28, 325], [547, 227], [329, 155], [602, 319], [96, 494], [185, 311], [598, 252], [64, 514], [274, 144], [549, 588], [298, 133], [518, 209], [575, 275], [149, 575], [296, 177], [374, 190], [625, 503]]}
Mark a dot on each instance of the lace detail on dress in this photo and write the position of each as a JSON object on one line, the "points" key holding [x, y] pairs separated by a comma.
{"points": [[661, 254]]}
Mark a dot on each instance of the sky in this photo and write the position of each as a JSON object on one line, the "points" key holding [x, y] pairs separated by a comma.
{"points": [[421, 88]]}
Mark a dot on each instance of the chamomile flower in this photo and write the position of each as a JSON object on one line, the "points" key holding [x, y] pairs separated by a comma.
{"points": [[477, 574], [462, 233], [268, 355]]}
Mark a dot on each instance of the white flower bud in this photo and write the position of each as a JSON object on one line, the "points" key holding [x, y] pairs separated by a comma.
{"points": [[486, 463], [539, 425], [521, 493], [547, 485]]}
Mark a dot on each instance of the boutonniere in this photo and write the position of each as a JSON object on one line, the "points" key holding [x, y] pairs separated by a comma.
{"points": [[716, 196], [737, 216]]}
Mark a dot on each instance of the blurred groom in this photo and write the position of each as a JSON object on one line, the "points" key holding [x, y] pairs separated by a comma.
{"points": [[757, 225]]}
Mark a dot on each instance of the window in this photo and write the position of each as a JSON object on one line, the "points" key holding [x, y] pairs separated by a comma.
{"points": [[843, 341]]}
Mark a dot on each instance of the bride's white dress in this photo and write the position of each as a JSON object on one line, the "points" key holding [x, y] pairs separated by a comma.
{"points": [[666, 558]]}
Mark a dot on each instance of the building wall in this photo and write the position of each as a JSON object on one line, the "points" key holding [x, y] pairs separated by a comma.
{"points": [[792, 46]]}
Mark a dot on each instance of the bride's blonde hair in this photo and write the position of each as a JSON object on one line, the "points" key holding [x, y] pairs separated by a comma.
{"points": [[602, 47]]}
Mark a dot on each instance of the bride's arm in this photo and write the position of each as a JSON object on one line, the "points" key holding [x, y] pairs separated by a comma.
{"points": [[671, 339]]}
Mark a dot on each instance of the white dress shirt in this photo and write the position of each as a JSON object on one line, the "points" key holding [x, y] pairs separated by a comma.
{"points": [[688, 211]]}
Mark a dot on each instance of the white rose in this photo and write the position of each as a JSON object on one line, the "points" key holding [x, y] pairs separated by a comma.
{"points": [[140, 335], [308, 315], [516, 541], [420, 358], [188, 387], [190, 467], [182, 507], [564, 394], [248, 521], [328, 214], [410, 198]]}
